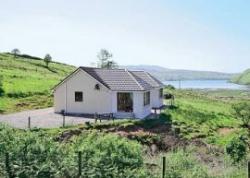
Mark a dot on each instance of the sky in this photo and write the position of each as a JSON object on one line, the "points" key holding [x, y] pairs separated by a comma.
{"points": [[179, 34]]}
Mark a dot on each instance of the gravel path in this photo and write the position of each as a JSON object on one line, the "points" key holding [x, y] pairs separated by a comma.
{"points": [[41, 118]]}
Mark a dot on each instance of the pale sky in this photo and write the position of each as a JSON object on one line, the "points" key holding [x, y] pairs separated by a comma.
{"points": [[180, 34]]}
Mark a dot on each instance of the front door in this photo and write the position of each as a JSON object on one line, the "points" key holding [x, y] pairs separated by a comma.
{"points": [[125, 102]]}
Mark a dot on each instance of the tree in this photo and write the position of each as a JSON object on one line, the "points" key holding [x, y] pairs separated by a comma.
{"points": [[104, 57], [237, 148], [1, 86], [15, 52], [47, 59], [242, 112]]}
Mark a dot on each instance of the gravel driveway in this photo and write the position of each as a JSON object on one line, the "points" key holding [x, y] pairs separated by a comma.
{"points": [[41, 118]]}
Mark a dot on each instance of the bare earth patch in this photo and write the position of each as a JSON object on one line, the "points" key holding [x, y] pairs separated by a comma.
{"points": [[225, 131]]}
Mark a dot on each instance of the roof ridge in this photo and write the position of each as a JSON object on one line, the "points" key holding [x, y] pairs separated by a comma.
{"points": [[87, 67], [133, 77]]}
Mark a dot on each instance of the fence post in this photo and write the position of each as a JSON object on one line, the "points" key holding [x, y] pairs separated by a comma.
{"points": [[29, 122], [248, 168], [163, 166], [79, 163], [7, 165]]}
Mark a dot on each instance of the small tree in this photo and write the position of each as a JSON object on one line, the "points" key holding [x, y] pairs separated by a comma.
{"points": [[1, 86], [15, 52], [47, 59], [237, 148], [104, 57], [242, 112]]}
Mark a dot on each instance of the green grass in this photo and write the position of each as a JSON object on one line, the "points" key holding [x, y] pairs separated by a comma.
{"points": [[28, 83], [243, 78], [191, 163], [201, 113]]}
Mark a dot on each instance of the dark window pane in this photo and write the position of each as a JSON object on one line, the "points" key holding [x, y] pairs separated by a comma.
{"points": [[125, 102], [78, 96], [146, 98]]}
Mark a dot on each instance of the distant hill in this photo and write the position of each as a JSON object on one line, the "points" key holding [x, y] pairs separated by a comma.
{"points": [[179, 74], [243, 78], [27, 82]]}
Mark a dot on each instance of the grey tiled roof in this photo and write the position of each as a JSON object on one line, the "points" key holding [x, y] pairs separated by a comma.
{"points": [[123, 80]]}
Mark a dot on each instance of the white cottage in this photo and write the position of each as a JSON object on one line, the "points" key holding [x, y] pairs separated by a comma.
{"points": [[119, 91]]}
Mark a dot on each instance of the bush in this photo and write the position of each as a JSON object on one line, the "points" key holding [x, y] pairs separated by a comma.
{"points": [[237, 148], [242, 111], [170, 87], [36, 154], [108, 155]]}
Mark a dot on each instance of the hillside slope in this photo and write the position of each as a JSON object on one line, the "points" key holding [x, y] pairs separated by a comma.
{"points": [[27, 82], [243, 78], [179, 74]]}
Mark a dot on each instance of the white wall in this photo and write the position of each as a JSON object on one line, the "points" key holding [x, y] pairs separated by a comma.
{"points": [[93, 100], [155, 99]]}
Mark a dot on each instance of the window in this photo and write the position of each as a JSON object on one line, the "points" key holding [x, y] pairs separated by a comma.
{"points": [[97, 87], [161, 93], [125, 102], [78, 96], [146, 98]]}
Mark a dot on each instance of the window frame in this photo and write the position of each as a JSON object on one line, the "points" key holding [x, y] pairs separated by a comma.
{"points": [[146, 98], [76, 97]]}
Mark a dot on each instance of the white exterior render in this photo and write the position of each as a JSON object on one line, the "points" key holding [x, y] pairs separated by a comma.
{"points": [[103, 99]]}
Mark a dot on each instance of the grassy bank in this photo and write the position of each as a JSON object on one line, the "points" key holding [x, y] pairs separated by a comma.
{"points": [[27, 82], [243, 78]]}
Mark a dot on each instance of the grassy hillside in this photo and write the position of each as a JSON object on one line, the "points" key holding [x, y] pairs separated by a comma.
{"points": [[243, 78], [27, 82], [178, 74]]}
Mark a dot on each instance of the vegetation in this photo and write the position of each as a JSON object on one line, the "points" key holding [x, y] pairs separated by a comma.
{"points": [[47, 59], [1, 86], [237, 148], [243, 78], [104, 57], [242, 111], [15, 52], [28, 83], [37, 154]]}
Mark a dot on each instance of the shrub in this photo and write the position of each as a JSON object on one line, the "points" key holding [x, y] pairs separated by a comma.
{"points": [[237, 148], [242, 112], [170, 87], [36, 154], [108, 155]]}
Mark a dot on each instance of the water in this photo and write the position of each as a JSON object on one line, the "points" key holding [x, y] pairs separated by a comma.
{"points": [[206, 84]]}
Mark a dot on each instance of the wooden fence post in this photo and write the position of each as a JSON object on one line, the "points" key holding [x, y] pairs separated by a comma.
{"points": [[79, 163], [163, 166], [248, 168], [29, 122]]}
